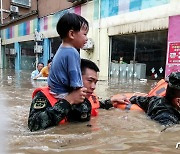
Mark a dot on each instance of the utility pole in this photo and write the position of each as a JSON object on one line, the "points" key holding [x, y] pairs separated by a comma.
{"points": [[1, 13]]}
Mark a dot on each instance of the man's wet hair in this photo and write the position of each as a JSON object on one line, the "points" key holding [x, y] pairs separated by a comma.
{"points": [[85, 63], [50, 60], [174, 80], [173, 88], [70, 21], [40, 63]]}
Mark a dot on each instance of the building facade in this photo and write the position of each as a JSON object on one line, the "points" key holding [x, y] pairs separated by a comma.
{"points": [[127, 38]]}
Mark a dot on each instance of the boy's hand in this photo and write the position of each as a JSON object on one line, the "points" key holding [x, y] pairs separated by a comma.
{"points": [[76, 96]]}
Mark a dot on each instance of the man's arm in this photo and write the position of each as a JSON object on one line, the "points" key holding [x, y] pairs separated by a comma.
{"points": [[33, 74], [42, 115], [157, 109], [141, 101], [109, 103], [37, 76], [106, 104]]}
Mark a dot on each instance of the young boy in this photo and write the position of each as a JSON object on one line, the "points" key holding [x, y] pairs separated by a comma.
{"points": [[65, 73]]}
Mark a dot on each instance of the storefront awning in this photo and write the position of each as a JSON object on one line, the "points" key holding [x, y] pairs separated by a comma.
{"points": [[18, 39], [50, 34], [141, 26]]}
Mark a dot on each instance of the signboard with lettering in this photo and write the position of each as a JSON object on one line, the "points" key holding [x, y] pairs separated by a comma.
{"points": [[174, 53]]}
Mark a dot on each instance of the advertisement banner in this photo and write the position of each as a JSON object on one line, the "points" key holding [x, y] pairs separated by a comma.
{"points": [[174, 53]]}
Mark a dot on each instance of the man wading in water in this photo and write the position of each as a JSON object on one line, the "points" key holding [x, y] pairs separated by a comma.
{"points": [[43, 114]]}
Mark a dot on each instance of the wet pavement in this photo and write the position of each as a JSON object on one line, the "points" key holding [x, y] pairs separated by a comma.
{"points": [[113, 131]]}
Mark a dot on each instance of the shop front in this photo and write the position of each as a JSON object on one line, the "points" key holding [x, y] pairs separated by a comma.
{"points": [[139, 55], [18, 46], [55, 43], [28, 57], [173, 50], [9, 58]]}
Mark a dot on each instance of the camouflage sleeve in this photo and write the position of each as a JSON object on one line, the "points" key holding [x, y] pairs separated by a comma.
{"points": [[165, 118], [157, 109], [141, 101], [105, 104], [42, 115]]}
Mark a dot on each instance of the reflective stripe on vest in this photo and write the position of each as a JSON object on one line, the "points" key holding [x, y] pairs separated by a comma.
{"points": [[129, 106], [95, 104], [159, 89]]}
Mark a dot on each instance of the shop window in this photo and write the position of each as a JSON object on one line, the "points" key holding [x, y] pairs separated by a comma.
{"points": [[28, 57], [151, 50], [9, 58], [55, 43], [146, 50]]}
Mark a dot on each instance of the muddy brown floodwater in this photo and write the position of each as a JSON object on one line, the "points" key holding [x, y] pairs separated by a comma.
{"points": [[112, 132]]}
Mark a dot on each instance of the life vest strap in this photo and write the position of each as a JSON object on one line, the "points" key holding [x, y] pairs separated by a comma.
{"points": [[128, 106], [159, 89], [158, 92]]}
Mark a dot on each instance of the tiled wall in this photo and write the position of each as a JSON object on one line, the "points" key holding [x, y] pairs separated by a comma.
{"points": [[108, 8]]}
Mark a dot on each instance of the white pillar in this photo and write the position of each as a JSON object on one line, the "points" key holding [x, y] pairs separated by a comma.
{"points": [[1, 13], [1, 60]]}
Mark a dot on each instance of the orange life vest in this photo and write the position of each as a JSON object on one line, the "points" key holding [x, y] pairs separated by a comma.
{"points": [[95, 104], [158, 90], [50, 97], [129, 106], [45, 91], [93, 100]]}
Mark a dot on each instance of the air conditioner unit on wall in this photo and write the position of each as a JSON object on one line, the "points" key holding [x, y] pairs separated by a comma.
{"points": [[89, 44], [38, 36], [38, 49], [7, 51], [14, 9], [12, 52], [22, 3]]}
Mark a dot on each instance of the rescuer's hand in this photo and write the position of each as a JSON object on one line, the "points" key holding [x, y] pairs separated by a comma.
{"points": [[119, 99], [76, 96]]}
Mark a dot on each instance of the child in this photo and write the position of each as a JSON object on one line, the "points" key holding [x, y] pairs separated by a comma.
{"points": [[65, 73]]}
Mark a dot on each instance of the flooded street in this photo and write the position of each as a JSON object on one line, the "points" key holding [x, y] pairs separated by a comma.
{"points": [[113, 131]]}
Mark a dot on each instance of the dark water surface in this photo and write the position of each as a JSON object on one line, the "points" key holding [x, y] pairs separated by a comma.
{"points": [[112, 132]]}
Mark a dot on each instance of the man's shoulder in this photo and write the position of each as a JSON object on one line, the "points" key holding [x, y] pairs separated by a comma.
{"points": [[34, 73], [159, 103], [44, 68], [157, 100]]}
